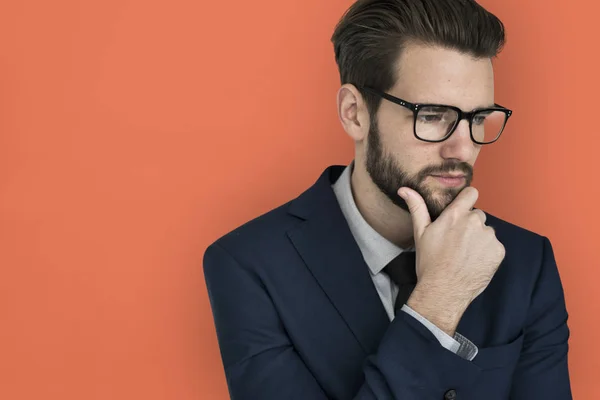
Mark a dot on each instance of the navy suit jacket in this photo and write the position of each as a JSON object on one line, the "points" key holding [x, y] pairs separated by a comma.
{"points": [[298, 317]]}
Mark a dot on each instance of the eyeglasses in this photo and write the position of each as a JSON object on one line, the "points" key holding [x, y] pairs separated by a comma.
{"points": [[435, 123]]}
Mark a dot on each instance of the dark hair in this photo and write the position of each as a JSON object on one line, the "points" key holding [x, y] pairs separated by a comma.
{"points": [[369, 38]]}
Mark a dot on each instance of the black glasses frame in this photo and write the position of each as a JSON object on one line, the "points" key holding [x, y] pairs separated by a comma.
{"points": [[461, 114]]}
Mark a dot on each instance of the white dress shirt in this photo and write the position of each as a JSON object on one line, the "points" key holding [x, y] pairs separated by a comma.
{"points": [[377, 252]]}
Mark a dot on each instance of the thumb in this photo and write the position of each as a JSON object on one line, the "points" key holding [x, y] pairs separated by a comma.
{"points": [[418, 210]]}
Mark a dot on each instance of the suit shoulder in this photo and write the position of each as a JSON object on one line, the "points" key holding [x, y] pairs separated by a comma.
{"points": [[508, 232], [261, 233]]}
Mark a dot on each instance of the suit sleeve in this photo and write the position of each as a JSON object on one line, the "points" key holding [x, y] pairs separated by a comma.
{"points": [[542, 371], [261, 362]]}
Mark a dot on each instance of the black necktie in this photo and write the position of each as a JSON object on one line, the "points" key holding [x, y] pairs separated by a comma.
{"points": [[402, 271]]}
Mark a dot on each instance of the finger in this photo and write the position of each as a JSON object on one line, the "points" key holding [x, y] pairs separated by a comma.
{"points": [[418, 210], [481, 215], [465, 200], [491, 229]]}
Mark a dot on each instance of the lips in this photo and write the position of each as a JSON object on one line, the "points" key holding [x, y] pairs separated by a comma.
{"points": [[450, 180], [450, 176]]}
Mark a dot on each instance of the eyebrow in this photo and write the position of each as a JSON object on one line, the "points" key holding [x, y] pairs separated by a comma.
{"points": [[440, 107], [436, 108]]}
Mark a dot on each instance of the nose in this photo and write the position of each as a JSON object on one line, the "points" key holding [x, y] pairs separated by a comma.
{"points": [[459, 145]]}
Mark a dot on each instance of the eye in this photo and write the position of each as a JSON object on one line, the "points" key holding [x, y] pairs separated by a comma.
{"points": [[479, 119], [430, 118]]}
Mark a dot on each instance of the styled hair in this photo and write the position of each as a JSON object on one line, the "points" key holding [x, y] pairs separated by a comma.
{"points": [[370, 37]]}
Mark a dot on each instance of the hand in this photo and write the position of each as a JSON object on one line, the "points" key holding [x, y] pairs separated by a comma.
{"points": [[457, 256]]}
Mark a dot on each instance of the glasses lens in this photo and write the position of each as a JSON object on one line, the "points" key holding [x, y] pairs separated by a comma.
{"points": [[434, 123], [488, 125]]}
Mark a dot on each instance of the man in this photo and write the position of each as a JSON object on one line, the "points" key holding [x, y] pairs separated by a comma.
{"points": [[382, 281]]}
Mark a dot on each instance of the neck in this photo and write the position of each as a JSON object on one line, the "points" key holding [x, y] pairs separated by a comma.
{"points": [[389, 220]]}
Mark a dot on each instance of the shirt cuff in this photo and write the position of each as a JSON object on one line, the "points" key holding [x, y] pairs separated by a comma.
{"points": [[459, 345]]}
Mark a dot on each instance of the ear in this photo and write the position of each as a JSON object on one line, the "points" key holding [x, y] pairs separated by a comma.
{"points": [[353, 113]]}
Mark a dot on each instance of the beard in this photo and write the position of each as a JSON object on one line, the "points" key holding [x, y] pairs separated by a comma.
{"points": [[389, 177]]}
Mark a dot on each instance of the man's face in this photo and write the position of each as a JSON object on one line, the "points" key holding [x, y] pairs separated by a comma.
{"points": [[396, 158]]}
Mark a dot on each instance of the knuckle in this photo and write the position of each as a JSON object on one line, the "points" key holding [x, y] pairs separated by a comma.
{"points": [[501, 249], [474, 218], [482, 215]]}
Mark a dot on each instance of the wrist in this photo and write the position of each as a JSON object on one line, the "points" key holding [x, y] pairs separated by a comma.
{"points": [[444, 310]]}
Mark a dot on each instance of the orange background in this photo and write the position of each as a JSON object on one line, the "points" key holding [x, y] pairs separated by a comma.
{"points": [[133, 133]]}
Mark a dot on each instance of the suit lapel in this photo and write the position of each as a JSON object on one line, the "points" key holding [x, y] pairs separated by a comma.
{"points": [[325, 243]]}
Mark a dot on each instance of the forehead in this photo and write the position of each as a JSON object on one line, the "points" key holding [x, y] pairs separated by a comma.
{"points": [[430, 74]]}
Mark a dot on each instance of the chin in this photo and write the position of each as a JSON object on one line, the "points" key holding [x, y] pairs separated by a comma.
{"points": [[438, 199]]}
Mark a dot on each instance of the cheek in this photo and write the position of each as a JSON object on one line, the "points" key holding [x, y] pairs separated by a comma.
{"points": [[410, 154], [396, 127], [412, 159], [418, 155]]}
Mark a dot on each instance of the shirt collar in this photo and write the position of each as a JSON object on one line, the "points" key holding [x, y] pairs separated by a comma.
{"points": [[376, 250]]}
